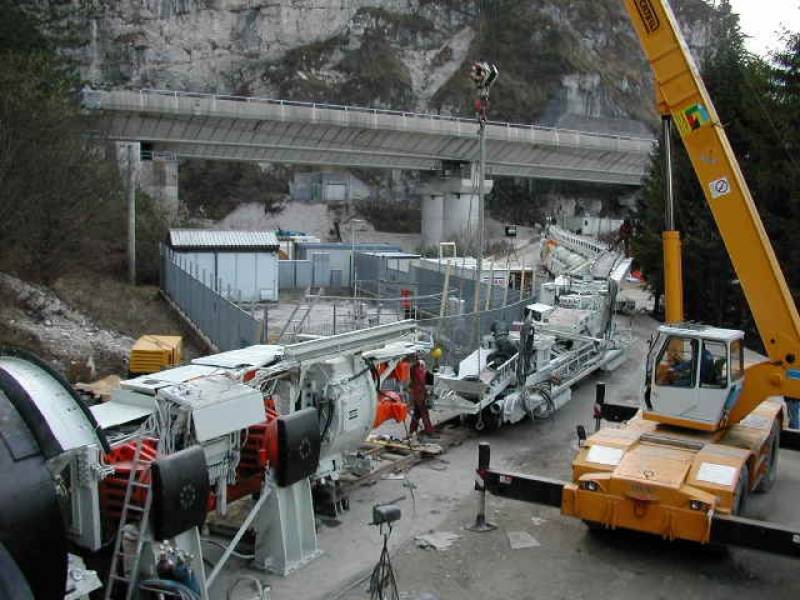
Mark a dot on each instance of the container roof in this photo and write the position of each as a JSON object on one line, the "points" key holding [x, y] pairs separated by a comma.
{"points": [[195, 239], [391, 254], [700, 330], [347, 246]]}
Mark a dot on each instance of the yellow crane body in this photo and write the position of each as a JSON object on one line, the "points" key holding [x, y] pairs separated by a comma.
{"points": [[709, 429], [668, 472], [667, 481]]}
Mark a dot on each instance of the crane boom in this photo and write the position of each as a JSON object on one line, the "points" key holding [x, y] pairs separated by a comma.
{"points": [[683, 96], [661, 471]]}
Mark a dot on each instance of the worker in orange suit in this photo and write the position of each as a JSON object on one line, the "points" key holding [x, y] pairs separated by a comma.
{"points": [[419, 392]]}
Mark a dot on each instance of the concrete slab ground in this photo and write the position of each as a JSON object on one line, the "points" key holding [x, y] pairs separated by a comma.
{"points": [[569, 561]]}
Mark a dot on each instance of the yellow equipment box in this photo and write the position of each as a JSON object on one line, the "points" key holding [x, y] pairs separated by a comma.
{"points": [[152, 353]]}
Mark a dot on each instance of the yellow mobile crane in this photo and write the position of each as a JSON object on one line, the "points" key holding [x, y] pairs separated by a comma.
{"points": [[709, 429]]}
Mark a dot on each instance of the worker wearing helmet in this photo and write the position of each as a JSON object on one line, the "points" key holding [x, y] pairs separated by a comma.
{"points": [[419, 393]]}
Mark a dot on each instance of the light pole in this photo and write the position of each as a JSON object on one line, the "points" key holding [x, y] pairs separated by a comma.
{"points": [[484, 75], [353, 257], [131, 193]]}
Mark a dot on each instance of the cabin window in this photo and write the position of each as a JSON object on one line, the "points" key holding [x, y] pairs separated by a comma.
{"points": [[737, 360], [714, 365], [677, 363]]}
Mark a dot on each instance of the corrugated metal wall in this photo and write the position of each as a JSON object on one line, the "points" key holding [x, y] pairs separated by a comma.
{"points": [[294, 274], [241, 275]]}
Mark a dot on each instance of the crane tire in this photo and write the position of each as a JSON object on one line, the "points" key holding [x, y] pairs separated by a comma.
{"points": [[740, 499], [771, 476]]}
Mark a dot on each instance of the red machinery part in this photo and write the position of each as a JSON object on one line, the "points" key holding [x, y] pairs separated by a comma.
{"points": [[259, 446], [390, 406], [112, 488], [255, 458]]}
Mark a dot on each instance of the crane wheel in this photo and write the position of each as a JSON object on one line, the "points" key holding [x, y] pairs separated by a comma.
{"points": [[771, 476], [740, 500]]}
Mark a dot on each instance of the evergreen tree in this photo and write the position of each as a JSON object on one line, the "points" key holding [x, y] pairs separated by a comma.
{"points": [[60, 202]]}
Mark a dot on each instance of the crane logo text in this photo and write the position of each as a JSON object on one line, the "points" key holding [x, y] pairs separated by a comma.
{"points": [[648, 15]]}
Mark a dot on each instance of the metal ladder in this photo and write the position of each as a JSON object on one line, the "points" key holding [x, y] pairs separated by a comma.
{"points": [[299, 322], [114, 578]]}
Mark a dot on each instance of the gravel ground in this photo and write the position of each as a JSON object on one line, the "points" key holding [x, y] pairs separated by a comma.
{"points": [[569, 562]]}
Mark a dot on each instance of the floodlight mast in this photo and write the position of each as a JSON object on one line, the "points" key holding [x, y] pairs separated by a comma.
{"points": [[484, 75]]}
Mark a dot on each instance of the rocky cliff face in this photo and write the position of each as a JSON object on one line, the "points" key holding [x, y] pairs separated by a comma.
{"points": [[558, 57]]}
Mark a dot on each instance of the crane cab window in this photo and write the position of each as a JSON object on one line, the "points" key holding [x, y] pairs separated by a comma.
{"points": [[737, 360], [714, 365], [677, 363]]}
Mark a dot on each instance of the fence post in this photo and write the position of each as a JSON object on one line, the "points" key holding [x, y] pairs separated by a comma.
{"points": [[490, 291], [508, 276], [445, 289], [334, 318]]}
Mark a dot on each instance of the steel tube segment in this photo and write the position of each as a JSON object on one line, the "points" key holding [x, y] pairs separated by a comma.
{"points": [[738, 531]]}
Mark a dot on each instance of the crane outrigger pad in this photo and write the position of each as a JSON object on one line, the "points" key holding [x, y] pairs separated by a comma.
{"points": [[724, 529]]}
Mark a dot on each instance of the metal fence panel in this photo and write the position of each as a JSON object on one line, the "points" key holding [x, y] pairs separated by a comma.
{"points": [[294, 274], [457, 333], [225, 324]]}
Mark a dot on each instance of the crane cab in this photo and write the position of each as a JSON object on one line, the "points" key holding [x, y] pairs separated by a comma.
{"points": [[694, 376]]}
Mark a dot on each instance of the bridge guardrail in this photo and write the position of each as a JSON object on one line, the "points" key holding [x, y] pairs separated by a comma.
{"points": [[94, 100]]}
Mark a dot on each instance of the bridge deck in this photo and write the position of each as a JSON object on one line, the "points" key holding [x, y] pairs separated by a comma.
{"points": [[263, 130]]}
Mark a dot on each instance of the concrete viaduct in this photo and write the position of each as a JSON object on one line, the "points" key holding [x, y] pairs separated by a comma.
{"points": [[192, 125]]}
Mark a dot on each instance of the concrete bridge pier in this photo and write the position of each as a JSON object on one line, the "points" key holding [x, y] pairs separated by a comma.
{"points": [[450, 209], [155, 173]]}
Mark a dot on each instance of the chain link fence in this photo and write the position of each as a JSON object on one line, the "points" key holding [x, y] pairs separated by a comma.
{"points": [[458, 335]]}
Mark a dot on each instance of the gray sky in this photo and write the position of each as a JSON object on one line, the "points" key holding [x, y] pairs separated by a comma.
{"points": [[763, 19]]}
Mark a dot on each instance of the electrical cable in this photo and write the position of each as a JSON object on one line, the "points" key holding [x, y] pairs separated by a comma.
{"points": [[224, 547], [261, 589], [173, 588], [549, 405]]}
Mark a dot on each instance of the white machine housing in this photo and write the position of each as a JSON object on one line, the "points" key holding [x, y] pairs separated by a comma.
{"points": [[343, 390]]}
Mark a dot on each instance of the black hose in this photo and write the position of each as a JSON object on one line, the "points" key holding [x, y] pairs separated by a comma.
{"points": [[548, 401], [169, 586]]}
